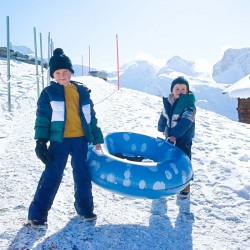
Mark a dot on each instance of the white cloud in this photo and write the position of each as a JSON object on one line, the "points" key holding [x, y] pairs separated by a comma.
{"points": [[147, 57]]}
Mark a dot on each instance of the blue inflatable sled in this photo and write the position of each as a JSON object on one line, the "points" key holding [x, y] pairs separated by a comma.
{"points": [[141, 166]]}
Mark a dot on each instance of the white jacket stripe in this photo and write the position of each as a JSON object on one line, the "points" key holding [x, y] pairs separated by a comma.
{"points": [[58, 111], [87, 112]]}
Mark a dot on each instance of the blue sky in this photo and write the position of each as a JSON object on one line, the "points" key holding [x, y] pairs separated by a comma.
{"points": [[161, 29]]}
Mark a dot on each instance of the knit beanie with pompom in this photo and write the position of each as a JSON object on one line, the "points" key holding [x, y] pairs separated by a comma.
{"points": [[59, 61]]}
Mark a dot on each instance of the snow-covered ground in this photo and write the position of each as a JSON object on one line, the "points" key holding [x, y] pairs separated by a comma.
{"points": [[215, 217]]}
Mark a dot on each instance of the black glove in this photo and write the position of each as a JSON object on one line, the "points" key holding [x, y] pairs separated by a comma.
{"points": [[42, 151]]}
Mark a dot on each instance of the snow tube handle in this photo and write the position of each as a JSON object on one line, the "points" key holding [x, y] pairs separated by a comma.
{"points": [[98, 152], [168, 140]]}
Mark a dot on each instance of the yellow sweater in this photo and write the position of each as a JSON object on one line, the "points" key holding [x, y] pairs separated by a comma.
{"points": [[73, 126]]}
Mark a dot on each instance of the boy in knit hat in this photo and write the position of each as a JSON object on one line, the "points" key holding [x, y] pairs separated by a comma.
{"points": [[65, 117], [177, 120]]}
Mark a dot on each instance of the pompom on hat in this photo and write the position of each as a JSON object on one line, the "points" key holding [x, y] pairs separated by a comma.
{"points": [[179, 80], [59, 61]]}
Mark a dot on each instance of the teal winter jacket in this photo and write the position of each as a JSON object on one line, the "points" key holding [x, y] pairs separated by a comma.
{"points": [[51, 114]]}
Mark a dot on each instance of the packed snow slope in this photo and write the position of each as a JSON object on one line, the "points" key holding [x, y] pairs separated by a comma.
{"points": [[215, 217]]}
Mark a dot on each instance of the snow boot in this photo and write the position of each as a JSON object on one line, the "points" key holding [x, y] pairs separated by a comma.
{"points": [[89, 217], [36, 224], [185, 193]]}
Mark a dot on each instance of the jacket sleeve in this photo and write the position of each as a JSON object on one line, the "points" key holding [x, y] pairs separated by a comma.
{"points": [[43, 117], [97, 136], [186, 121], [162, 123]]}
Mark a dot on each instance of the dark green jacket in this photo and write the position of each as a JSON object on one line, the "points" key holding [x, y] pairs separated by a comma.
{"points": [[51, 114]]}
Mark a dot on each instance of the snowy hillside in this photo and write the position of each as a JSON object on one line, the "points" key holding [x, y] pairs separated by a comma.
{"points": [[215, 217]]}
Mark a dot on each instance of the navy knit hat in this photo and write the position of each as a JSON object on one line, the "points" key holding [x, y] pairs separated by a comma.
{"points": [[179, 80], [59, 61]]}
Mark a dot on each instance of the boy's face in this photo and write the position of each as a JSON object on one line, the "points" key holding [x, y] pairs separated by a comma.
{"points": [[62, 76], [179, 89]]}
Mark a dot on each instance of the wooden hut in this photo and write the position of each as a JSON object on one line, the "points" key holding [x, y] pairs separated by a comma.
{"points": [[244, 110], [241, 91]]}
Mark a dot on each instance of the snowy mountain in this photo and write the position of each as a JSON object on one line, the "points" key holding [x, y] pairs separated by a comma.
{"points": [[138, 75], [146, 77], [234, 65], [142, 74], [178, 64], [215, 217]]}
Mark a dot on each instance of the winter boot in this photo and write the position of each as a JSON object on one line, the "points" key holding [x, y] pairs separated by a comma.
{"points": [[36, 224], [89, 217], [185, 193]]}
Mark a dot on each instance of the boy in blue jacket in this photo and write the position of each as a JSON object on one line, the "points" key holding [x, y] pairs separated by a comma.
{"points": [[65, 117], [177, 120]]}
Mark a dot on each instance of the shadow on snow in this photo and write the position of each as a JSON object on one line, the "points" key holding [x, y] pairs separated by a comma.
{"points": [[77, 234]]}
